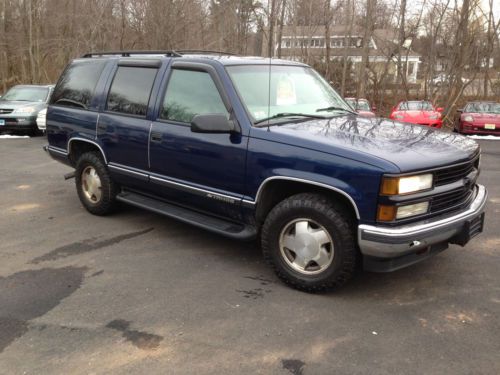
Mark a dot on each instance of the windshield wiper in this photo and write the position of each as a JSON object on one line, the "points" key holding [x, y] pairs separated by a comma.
{"points": [[333, 108], [287, 114]]}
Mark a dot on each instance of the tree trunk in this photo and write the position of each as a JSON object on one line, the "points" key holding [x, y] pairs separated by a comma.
{"points": [[281, 21], [365, 58], [327, 39], [347, 37]]}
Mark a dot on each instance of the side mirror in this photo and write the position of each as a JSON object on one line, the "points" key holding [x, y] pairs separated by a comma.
{"points": [[440, 109], [460, 110], [212, 123], [374, 108]]}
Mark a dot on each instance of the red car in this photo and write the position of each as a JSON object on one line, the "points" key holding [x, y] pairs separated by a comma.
{"points": [[362, 106], [418, 112], [479, 118]]}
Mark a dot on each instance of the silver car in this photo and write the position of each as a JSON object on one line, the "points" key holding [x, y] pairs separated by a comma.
{"points": [[19, 108], [41, 120]]}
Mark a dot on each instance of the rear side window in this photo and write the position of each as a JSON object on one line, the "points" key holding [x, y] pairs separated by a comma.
{"points": [[130, 90], [190, 93], [77, 84]]}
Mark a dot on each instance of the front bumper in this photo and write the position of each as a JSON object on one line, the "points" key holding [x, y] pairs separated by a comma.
{"points": [[390, 248], [17, 123], [479, 130]]}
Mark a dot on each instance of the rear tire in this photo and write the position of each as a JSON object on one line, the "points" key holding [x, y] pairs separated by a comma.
{"points": [[95, 188], [309, 240]]}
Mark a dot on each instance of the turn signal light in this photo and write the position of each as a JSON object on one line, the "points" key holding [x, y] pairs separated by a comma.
{"points": [[386, 213]]}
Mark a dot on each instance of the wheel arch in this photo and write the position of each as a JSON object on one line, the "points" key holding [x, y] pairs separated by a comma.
{"points": [[274, 189], [77, 146]]}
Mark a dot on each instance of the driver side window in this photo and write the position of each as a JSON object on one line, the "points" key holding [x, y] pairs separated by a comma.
{"points": [[190, 93]]}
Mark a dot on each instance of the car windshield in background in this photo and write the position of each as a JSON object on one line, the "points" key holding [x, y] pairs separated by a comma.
{"points": [[483, 108], [293, 89], [352, 103], [416, 106], [363, 105], [26, 94]]}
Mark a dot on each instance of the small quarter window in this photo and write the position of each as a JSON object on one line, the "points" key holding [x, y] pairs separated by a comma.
{"points": [[190, 93], [77, 84], [130, 90]]}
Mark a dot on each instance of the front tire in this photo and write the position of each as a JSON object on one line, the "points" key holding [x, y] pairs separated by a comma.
{"points": [[310, 242], [96, 190]]}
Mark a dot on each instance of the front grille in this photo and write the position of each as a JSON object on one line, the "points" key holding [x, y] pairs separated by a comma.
{"points": [[453, 200], [4, 111], [454, 173]]}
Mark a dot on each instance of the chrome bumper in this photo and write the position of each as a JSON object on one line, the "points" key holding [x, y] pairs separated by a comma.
{"points": [[391, 242]]}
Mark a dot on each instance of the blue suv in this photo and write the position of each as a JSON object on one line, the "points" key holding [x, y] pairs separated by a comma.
{"points": [[257, 148]]}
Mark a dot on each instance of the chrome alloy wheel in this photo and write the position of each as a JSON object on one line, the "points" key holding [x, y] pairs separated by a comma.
{"points": [[306, 246], [91, 185]]}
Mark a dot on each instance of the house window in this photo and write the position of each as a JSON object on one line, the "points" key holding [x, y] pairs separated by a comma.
{"points": [[337, 42], [317, 42]]}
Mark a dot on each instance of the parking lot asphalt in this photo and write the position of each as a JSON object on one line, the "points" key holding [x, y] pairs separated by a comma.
{"points": [[138, 293]]}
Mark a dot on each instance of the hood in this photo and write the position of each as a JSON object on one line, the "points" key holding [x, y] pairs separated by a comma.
{"points": [[366, 113], [7, 104], [494, 118], [408, 147], [418, 114]]}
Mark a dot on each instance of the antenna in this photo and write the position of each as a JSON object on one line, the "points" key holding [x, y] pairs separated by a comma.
{"points": [[270, 50]]}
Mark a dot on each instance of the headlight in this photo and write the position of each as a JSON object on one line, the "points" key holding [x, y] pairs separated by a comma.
{"points": [[405, 185], [468, 118], [24, 110]]}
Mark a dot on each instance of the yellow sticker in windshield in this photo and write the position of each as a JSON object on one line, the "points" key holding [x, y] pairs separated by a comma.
{"points": [[285, 92]]}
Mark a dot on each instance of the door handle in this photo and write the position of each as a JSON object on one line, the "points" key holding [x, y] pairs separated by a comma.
{"points": [[156, 137]]}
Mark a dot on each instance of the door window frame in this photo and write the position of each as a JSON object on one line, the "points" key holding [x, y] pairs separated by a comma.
{"points": [[197, 67], [133, 63]]}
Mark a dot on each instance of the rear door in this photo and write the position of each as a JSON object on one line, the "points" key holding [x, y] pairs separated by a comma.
{"points": [[123, 126], [203, 171]]}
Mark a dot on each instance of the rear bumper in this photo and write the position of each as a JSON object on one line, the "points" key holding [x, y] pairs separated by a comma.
{"points": [[416, 242]]}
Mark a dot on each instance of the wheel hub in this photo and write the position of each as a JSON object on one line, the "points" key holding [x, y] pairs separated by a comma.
{"points": [[306, 246], [91, 185]]}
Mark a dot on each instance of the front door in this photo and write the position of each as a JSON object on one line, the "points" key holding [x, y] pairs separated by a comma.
{"points": [[203, 171]]}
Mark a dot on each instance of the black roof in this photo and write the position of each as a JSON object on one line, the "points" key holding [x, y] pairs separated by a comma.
{"points": [[222, 57]]}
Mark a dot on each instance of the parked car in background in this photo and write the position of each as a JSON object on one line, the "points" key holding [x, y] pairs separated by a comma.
{"points": [[210, 142], [420, 112], [41, 120], [479, 118], [19, 108], [362, 106], [444, 79]]}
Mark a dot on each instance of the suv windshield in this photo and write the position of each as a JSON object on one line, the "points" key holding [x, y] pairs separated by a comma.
{"points": [[294, 90], [26, 94], [416, 106], [483, 108]]}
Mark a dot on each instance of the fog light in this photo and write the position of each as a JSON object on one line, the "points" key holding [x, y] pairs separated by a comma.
{"points": [[412, 210]]}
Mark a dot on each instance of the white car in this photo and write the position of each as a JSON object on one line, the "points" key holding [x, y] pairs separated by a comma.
{"points": [[41, 120]]}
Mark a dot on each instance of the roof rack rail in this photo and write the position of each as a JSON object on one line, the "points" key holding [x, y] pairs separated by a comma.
{"points": [[167, 53], [204, 52]]}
